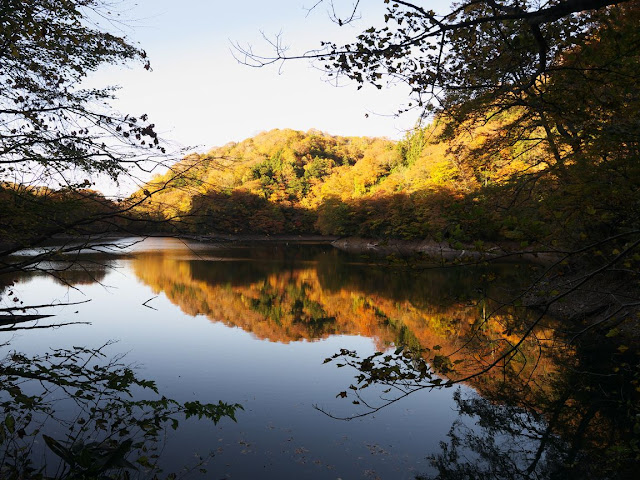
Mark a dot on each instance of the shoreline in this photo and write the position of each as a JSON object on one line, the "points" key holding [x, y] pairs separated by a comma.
{"points": [[256, 238], [439, 252], [428, 251]]}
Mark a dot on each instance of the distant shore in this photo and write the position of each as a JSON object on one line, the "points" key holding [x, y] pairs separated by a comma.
{"points": [[430, 250], [257, 238]]}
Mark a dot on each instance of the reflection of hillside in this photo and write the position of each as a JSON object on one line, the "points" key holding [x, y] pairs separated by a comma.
{"points": [[285, 301]]}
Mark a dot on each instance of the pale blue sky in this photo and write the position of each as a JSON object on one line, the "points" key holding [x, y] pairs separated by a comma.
{"points": [[198, 95]]}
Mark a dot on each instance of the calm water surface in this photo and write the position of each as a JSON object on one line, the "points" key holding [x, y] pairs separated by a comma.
{"points": [[253, 325]]}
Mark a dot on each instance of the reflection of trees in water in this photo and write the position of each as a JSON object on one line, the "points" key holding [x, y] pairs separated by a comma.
{"points": [[549, 408], [502, 444], [75, 414], [290, 300], [76, 273], [13, 310], [584, 423], [580, 419], [82, 270]]}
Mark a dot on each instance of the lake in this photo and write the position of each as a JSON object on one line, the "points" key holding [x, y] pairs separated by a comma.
{"points": [[253, 325]]}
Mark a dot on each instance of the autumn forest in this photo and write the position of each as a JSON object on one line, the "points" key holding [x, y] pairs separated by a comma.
{"points": [[292, 252]]}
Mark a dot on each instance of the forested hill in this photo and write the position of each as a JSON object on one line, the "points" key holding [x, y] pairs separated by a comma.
{"points": [[270, 183], [287, 181], [460, 186]]}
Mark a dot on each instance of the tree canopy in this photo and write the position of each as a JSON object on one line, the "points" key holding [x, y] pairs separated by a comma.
{"points": [[567, 67], [57, 136], [50, 123]]}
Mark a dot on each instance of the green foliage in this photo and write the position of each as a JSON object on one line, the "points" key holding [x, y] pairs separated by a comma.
{"points": [[526, 134], [537, 109], [412, 145]]}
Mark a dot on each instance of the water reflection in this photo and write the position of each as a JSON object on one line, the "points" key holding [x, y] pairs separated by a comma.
{"points": [[79, 414], [582, 423], [286, 295], [549, 408], [537, 416], [292, 294]]}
